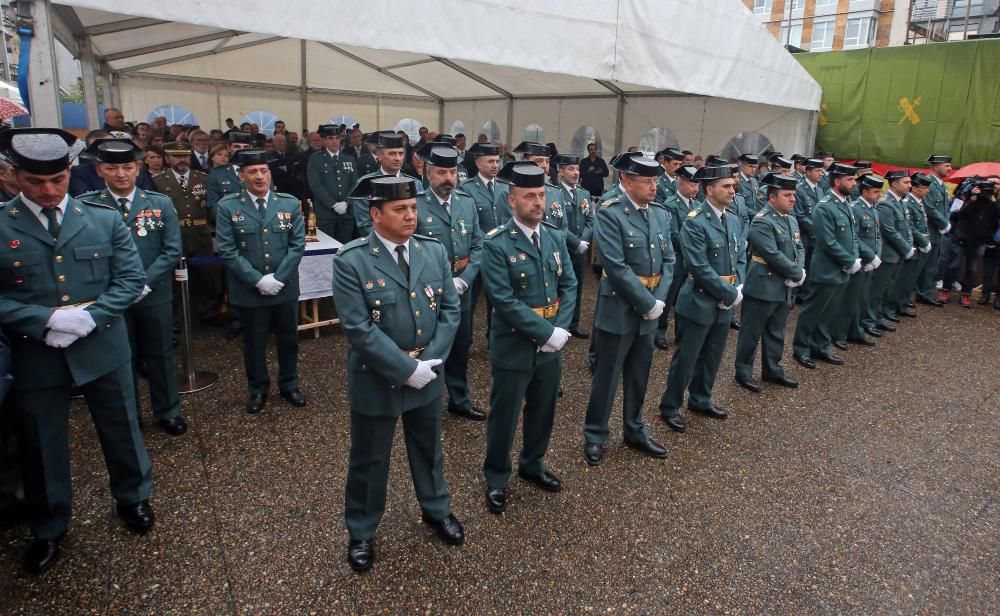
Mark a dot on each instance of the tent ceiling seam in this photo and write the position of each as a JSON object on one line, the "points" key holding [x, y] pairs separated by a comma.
{"points": [[378, 68], [473, 76], [201, 54], [194, 40]]}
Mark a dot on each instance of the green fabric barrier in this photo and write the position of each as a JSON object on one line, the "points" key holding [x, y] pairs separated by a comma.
{"points": [[897, 105]]}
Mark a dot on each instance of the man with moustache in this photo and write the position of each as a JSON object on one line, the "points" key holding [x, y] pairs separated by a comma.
{"points": [[390, 153], [679, 206], [579, 229], [666, 187]]}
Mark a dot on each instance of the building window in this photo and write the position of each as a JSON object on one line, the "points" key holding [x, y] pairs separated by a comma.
{"points": [[657, 139], [826, 3], [584, 136], [762, 7], [793, 38], [857, 32], [798, 4], [409, 126], [458, 128], [263, 119], [347, 120], [534, 132], [822, 37], [491, 130], [746, 143], [175, 114]]}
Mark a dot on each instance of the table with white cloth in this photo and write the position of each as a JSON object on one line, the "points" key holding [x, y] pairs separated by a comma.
{"points": [[316, 281]]}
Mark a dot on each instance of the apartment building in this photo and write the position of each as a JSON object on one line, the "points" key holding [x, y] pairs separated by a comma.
{"points": [[824, 25]]}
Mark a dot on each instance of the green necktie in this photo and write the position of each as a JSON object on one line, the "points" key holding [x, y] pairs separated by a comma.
{"points": [[401, 260], [52, 214], [123, 207], [261, 206]]}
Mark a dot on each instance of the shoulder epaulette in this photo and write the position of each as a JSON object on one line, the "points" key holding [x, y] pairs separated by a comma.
{"points": [[494, 231], [425, 238], [91, 194], [659, 205], [361, 241], [611, 201], [230, 196], [500, 180], [693, 212], [195, 172], [286, 195], [550, 225], [96, 204], [550, 184], [760, 214], [461, 192], [154, 193]]}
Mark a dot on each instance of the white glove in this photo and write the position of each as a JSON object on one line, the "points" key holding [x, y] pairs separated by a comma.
{"points": [[582, 248], [803, 279], [424, 373], [145, 291], [791, 284], [925, 249], [340, 207], [655, 312], [76, 321], [460, 285], [60, 340], [868, 267], [876, 262], [556, 341], [269, 285], [854, 269], [736, 302], [910, 254], [946, 229]]}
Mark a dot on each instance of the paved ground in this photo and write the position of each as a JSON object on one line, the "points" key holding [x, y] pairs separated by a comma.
{"points": [[871, 489]]}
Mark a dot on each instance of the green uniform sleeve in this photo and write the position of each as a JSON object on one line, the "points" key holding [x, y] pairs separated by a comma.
{"points": [[824, 224], [228, 251], [161, 269], [694, 248]]}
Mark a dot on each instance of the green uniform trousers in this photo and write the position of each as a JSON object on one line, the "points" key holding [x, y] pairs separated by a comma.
{"points": [[882, 285], [44, 422], [680, 275], [538, 389], [814, 331], [368, 467], [579, 264], [258, 323], [869, 311], [848, 321], [695, 364], [151, 337], [627, 357], [456, 366], [763, 322], [928, 272], [906, 281], [477, 292]]}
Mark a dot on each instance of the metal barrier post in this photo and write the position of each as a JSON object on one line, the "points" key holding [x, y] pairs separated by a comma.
{"points": [[189, 380]]}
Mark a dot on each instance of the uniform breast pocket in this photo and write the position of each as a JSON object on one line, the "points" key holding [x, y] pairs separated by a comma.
{"points": [[17, 269], [96, 259], [636, 252], [715, 249], [522, 279], [841, 222], [278, 235], [380, 302], [247, 237]]}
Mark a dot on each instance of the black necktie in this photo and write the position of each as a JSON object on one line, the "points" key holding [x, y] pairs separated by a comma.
{"points": [[52, 214], [123, 206], [534, 240], [261, 206], [401, 260], [489, 186], [447, 207], [645, 213]]}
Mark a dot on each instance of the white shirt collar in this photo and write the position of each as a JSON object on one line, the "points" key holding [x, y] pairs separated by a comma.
{"points": [[266, 198], [568, 188], [391, 246], [384, 172], [898, 198], [718, 213], [485, 180], [834, 194], [811, 185], [130, 197], [440, 200], [684, 199], [179, 175], [332, 153], [37, 209], [865, 201], [939, 180], [528, 231]]}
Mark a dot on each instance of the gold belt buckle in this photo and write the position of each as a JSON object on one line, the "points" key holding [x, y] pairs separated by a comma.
{"points": [[415, 353]]}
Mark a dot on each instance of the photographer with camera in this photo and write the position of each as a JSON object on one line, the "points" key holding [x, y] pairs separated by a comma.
{"points": [[975, 217], [991, 263]]}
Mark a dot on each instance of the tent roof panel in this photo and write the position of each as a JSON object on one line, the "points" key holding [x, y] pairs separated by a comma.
{"points": [[443, 81], [525, 82], [265, 64], [384, 57], [166, 56], [121, 43], [328, 68]]}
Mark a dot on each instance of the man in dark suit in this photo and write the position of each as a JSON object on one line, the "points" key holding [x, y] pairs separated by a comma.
{"points": [[200, 143]]}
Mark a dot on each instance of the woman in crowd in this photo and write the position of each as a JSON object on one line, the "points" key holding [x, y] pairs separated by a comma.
{"points": [[219, 155], [154, 160]]}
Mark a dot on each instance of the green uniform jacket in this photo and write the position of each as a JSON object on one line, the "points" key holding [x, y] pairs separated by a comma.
{"points": [[628, 247], [385, 316], [750, 189], [153, 224], [330, 181], [711, 249], [679, 210], [806, 199], [774, 238], [251, 248], [517, 278], [493, 210], [611, 194], [665, 188], [836, 247], [917, 219], [458, 232], [896, 236], [222, 181], [191, 207], [738, 208], [936, 204], [362, 217], [869, 234], [824, 183], [579, 217], [555, 213], [94, 260]]}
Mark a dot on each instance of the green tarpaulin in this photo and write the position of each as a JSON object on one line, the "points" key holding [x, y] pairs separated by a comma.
{"points": [[897, 105]]}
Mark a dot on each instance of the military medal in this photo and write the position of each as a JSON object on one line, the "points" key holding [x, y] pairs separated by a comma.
{"points": [[522, 256], [140, 226], [381, 283], [461, 225], [584, 207], [558, 258], [430, 219], [513, 259], [369, 285], [429, 292], [14, 244], [377, 316]]}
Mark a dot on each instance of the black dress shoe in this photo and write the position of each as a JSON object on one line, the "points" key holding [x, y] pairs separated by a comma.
{"points": [[782, 379], [675, 422], [175, 426], [840, 344], [893, 319], [471, 413], [715, 412], [910, 305], [546, 480], [908, 313], [648, 447], [930, 302], [830, 358], [233, 332], [576, 333], [661, 343], [749, 383], [255, 403], [294, 397], [886, 327], [873, 332], [861, 341], [594, 453], [138, 517], [496, 500], [361, 554], [805, 361], [734, 324], [448, 529], [42, 554]]}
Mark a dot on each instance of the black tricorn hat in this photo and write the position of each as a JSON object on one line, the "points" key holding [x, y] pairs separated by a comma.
{"points": [[863, 164], [710, 174], [565, 159], [778, 180], [446, 138], [483, 149], [385, 139], [439, 154], [523, 173], [687, 172], [897, 174], [870, 180], [842, 169], [749, 159], [240, 137], [920, 179], [330, 130], [823, 154], [935, 159], [813, 163], [714, 160], [673, 153], [42, 151], [245, 158], [781, 162], [638, 165], [118, 152], [385, 188], [530, 148]]}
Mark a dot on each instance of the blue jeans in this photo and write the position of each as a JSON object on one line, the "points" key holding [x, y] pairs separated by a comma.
{"points": [[952, 255]]}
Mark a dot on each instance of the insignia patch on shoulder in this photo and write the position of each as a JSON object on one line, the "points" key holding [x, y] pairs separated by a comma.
{"points": [[608, 202], [692, 213], [760, 214], [494, 231]]}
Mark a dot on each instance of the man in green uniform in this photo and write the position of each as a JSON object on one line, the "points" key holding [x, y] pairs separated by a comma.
{"points": [[916, 219], [807, 195], [399, 311], [633, 246], [152, 221], [799, 166], [449, 216], [540, 155], [391, 154], [331, 175], [855, 316], [936, 204], [715, 256], [679, 206], [68, 271], [776, 269], [527, 274], [261, 239], [666, 186], [836, 257], [897, 247], [828, 159], [749, 186], [579, 229], [764, 163]]}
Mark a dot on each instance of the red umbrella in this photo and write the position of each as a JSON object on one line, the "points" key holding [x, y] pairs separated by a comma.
{"points": [[10, 109], [980, 169]]}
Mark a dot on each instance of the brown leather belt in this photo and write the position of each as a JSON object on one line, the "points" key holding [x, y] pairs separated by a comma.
{"points": [[459, 264], [547, 312], [650, 282], [414, 353], [193, 222], [728, 279]]}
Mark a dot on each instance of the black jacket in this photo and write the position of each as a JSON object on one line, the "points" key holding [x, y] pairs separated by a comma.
{"points": [[976, 221]]}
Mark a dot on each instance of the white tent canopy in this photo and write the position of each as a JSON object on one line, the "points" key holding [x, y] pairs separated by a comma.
{"points": [[691, 72]]}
